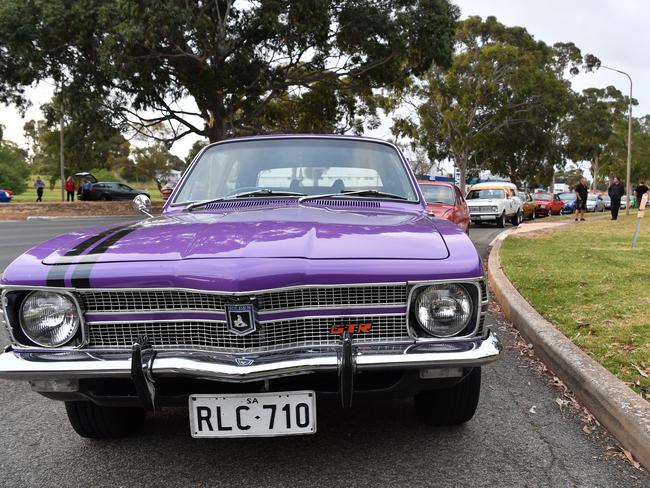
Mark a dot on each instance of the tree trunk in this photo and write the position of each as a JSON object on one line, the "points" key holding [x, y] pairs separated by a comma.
{"points": [[595, 172], [461, 162]]}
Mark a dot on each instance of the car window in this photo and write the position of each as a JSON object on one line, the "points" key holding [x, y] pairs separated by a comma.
{"points": [[125, 187], [310, 166], [486, 193], [546, 198], [437, 194], [306, 177]]}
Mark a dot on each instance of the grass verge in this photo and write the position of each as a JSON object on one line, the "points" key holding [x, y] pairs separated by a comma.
{"points": [[587, 280], [54, 195]]}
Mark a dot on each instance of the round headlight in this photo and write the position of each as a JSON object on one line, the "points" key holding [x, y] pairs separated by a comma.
{"points": [[49, 319], [443, 310]]}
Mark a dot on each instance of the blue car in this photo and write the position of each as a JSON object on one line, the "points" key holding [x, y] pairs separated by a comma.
{"points": [[569, 200], [6, 196]]}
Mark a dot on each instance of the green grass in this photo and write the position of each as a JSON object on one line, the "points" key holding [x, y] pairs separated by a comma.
{"points": [[587, 280]]}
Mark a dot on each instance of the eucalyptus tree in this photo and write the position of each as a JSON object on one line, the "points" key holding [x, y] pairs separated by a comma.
{"points": [[230, 61], [498, 106], [590, 127]]}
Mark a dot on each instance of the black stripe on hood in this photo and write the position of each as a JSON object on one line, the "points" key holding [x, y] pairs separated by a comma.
{"points": [[56, 276]]}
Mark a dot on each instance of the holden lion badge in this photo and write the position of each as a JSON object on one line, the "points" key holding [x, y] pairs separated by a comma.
{"points": [[241, 319]]}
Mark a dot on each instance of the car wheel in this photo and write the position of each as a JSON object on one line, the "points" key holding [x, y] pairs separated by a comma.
{"points": [[450, 406], [532, 216], [105, 197], [501, 221], [517, 219], [96, 422]]}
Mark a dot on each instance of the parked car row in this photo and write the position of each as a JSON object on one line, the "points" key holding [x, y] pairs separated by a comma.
{"points": [[500, 202]]}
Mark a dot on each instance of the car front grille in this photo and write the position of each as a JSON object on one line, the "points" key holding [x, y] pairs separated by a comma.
{"points": [[269, 336], [481, 210], [97, 301]]}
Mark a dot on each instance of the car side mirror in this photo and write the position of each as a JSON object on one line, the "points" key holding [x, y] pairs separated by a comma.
{"points": [[142, 204]]}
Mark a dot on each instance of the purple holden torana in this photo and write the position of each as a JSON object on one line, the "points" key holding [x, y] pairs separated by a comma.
{"points": [[283, 269]]}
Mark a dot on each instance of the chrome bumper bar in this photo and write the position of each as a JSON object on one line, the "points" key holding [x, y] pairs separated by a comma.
{"points": [[80, 364]]}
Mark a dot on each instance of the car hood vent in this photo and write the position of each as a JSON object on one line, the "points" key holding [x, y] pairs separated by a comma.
{"points": [[332, 202], [272, 202], [258, 202]]}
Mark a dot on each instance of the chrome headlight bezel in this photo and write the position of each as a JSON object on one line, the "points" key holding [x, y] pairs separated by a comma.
{"points": [[478, 298], [13, 297], [73, 311]]}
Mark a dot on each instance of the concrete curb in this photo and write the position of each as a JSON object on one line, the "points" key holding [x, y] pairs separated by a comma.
{"points": [[624, 413], [79, 217]]}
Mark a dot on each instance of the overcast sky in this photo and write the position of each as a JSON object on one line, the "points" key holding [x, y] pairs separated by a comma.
{"points": [[616, 31]]}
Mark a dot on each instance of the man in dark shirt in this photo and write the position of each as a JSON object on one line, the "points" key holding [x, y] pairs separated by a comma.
{"points": [[582, 192], [639, 191], [615, 192]]}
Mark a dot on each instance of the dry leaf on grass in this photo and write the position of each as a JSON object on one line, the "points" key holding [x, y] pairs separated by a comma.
{"points": [[641, 372]]}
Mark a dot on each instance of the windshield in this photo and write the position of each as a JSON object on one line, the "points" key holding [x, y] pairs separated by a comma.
{"points": [[487, 193], [540, 196], [592, 198], [567, 196], [302, 166], [437, 194]]}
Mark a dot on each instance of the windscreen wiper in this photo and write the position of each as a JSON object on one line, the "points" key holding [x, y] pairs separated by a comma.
{"points": [[360, 193], [253, 193]]}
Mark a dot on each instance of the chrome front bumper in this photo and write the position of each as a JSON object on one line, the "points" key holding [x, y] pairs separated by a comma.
{"points": [[81, 364]]}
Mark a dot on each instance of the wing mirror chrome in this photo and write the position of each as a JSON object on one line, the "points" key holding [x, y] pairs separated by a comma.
{"points": [[142, 204]]}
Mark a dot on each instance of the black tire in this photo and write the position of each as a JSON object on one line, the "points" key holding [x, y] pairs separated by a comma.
{"points": [[450, 406], [95, 422], [501, 221], [516, 220], [105, 197], [532, 216]]}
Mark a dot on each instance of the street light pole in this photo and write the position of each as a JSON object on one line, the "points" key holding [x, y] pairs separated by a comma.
{"points": [[628, 183], [61, 141]]}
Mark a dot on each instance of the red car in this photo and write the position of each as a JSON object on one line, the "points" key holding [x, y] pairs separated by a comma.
{"points": [[547, 204], [445, 201]]}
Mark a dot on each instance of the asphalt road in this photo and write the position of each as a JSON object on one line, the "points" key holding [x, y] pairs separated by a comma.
{"points": [[519, 436]]}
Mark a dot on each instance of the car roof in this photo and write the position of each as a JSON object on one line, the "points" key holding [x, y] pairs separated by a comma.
{"points": [[434, 182], [494, 186]]}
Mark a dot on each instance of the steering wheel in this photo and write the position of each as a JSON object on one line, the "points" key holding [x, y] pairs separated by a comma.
{"points": [[242, 189]]}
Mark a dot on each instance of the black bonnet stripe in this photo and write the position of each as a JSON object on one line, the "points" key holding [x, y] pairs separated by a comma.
{"points": [[81, 274], [56, 276]]}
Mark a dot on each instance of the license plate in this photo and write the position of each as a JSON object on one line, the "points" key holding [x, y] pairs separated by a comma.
{"points": [[253, 415]]}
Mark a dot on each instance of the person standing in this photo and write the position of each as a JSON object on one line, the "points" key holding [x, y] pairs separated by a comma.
{"points": [[70, 188], [85, 189], [616, 192], [39, 184], [639, 191], [582, 193]]}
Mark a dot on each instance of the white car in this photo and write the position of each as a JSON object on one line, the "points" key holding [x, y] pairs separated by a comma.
{"points": [[495, 202]]}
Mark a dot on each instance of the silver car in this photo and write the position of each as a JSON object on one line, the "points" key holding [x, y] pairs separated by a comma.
{"points": [[595, 203]]}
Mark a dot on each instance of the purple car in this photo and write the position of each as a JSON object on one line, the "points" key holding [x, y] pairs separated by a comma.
{"points": [[283, 270]]}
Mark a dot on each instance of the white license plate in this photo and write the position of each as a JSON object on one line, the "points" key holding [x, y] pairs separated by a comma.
{"points": [[253, 415]]}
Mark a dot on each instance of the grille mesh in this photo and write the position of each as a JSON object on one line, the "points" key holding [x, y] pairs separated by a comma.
{"points": [[481, 209], [322, 297], [270, 336]]}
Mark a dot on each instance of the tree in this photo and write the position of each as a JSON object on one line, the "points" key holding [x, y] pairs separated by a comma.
{"points": [[234, 60], [498, 105], [13, 167], [194, 150], [86, 147], [614, 155], [591, 125], [155, 161]]}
